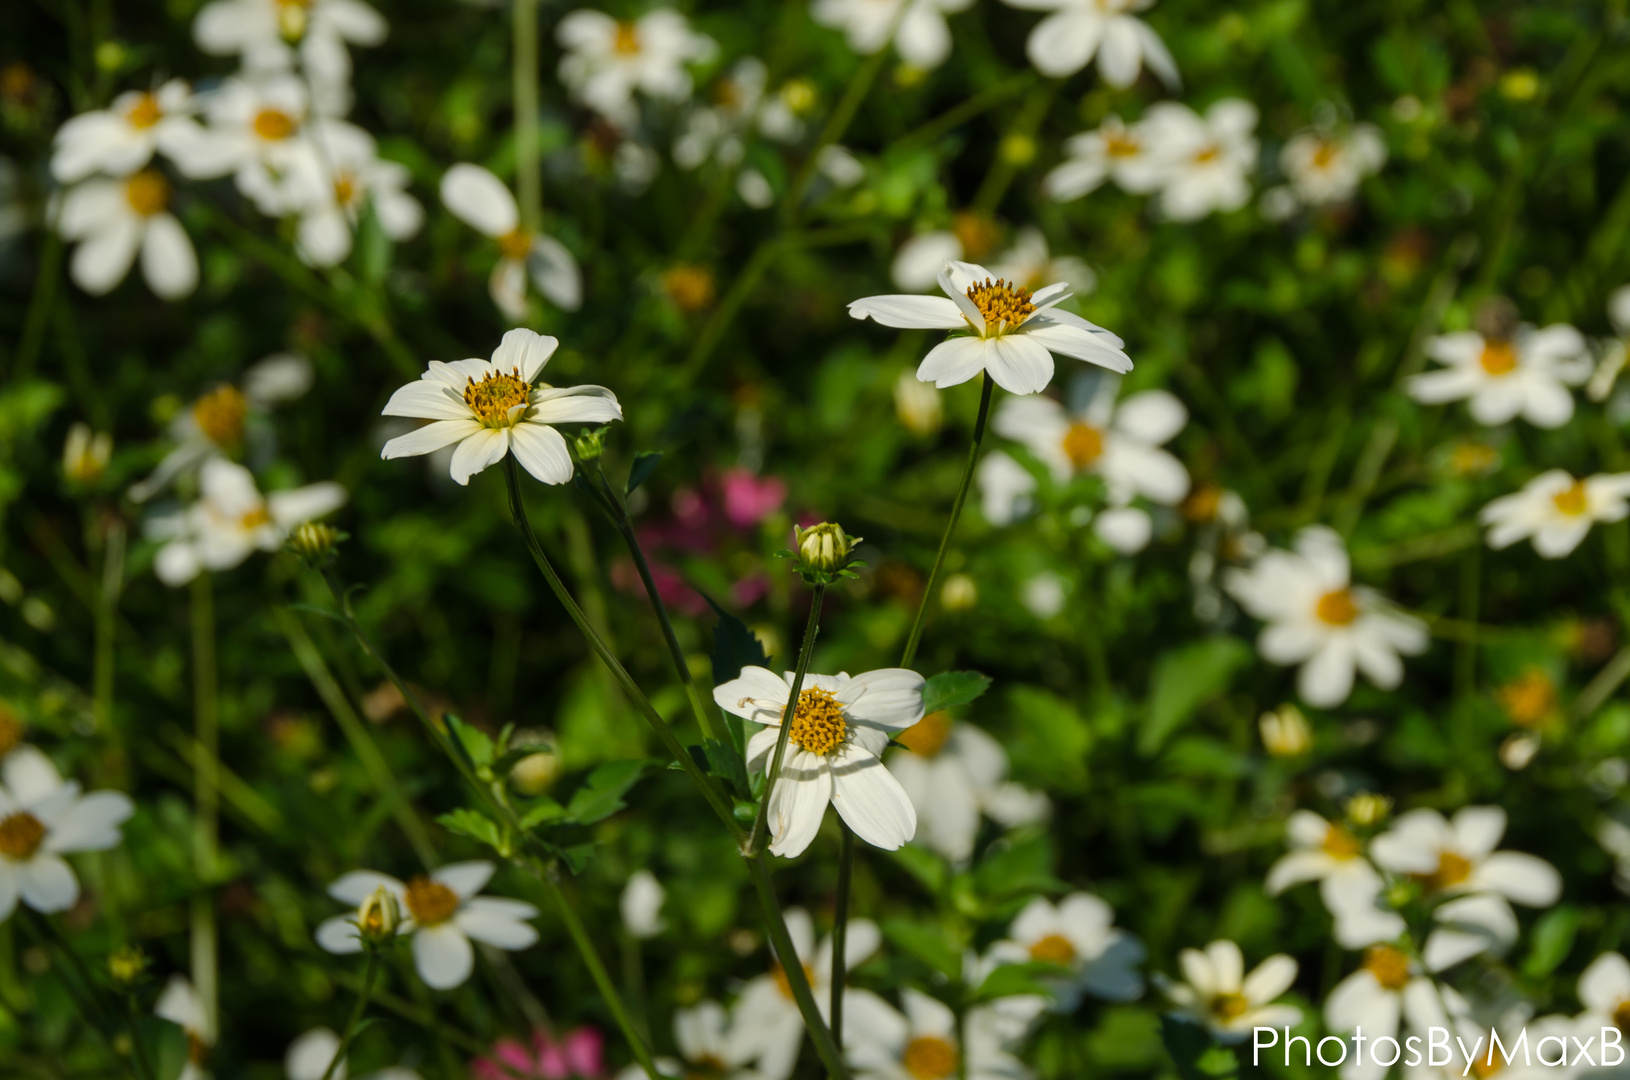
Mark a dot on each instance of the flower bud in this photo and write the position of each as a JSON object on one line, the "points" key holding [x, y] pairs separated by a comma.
{"points": [[126, 966], [379, 916], [1285, 733], [824, 549], [291, 22], [959, 593], [85, 455], [590, 444], [918, 405], [313, 541], [1367, 809]]}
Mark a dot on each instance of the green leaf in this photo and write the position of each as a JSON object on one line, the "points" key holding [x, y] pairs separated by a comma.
{"points": [[926, 943], [540, 812], [474, 824], [951, 688], [1552, 940], [1185, 679], [1192, 1050], [734, 646], [475, 743], [1024, 866], [515, 754], [577, 857], [645, 463], [166, 1044], [1010, 980], [602, 794], [725, 762]]}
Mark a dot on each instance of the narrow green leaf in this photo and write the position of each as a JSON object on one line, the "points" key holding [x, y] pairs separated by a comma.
{"points": [[602, 793], [734, 646], [645, 463]]}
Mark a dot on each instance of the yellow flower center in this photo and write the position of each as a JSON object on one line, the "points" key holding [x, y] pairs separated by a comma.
{"points": [[1498, 358], [1389, 966], [345, 188], [689, 287], [1208, 155], [21, 834], [1003, 306], [1470, 459], [1121, 144], [818, 725], [493, 398], [1339, 843], [1452, 870], [1083, 444], [1487, 1064], [516, 244], [220, 413], [1229, 1006], [11, 730], [1325, 155], [784, 984], [1337, 608], [144, 113], [1530, 699], [627, 41], [147, 192], [197, 1048], [274, 124], [927, 736], [292, 18], [1573, 501], [255, 518], [1621, 1015], [429, 902], [1053, 949], [929, 1057]]}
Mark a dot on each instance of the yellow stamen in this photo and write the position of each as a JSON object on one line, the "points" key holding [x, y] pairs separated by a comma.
{"points": [[1083, 444], [495, 396], [21, 834], [274, 124], [928, 1057], [430, 902], [1337, 608], [1340, 844], [145, 112], [1530, 699], [255, 518], [627, 41], [147, 192], [516, 245], [1001, 305], [220, 414], [1574, 501], [1121, 144], [345, 188], [818, 725], [1325, 155], [1053, 949], [1452, 870], [927, 736], [784, 984], [1498, 358], [1229, 1006], [1389, 966], [1208, 155], [1621, 1015]]}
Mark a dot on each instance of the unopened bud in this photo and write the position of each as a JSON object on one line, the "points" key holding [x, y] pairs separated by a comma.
{"points": [[85, 455], [959, 593], [313, 541], [1366, 809], [825, 549], [590, 444], [1285, 733], [379, 916], [111, 56], [127, 965], [918, 405], [291, 21]]}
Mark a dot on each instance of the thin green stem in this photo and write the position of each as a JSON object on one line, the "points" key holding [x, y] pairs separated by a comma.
{"points": [[528, 175], [357, 1011], [107, 616], [787, 955], [756, 838], [144, 1061], [1602, 686], [40, 304], [840, 927], [912, 640], [206, 796]]}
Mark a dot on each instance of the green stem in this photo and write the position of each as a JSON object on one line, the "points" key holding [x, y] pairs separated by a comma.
{"points": [[40, 304], [81, 989], [361, 1007], [107, 613], [665, 733], [528, 176], [840, 927], [787, 955], [133, 1018], [910, 653], [206, 796], [1005, 167], [1601, 687], [755, 839]]}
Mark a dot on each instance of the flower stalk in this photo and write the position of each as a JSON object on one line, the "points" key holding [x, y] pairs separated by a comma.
{"points": [[368, 973], [757, 838], [826, 1047], [206, 795], [840, 927]]}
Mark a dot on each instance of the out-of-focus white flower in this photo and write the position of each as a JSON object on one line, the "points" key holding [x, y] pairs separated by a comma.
{"points": [[641, 905], [607, 61], [1317, 618], [754, 189], [1029, 263], [1206, 161], [1328, 852], [181, 1005], [114, 220], [231, 520], [444, 913], [840, 166], [1527, 375], [1604, 990], [1080, 937], [1009, 332], [122, 138], [710, 1044], [741, 106], [257, 130], [920, 34], [43, 818], [480, 200], [85, 455], [918, 405], [1556, 511], [839, 731], [1455, 858], [1115, 152], [1326, 167], [492, 408], [342, 175], [269, 35], [1065, 42], [1217, 993], [1614, 355], [1388, 986], [921, 1043], [953, 772], [1043, 595], [1006, 488], [308, 1058], [918, 263]]}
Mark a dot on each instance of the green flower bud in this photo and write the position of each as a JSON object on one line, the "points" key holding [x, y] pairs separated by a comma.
{"points": [[824, 550], [379, 916], [313, 541], [590, 444], [127, 965]]}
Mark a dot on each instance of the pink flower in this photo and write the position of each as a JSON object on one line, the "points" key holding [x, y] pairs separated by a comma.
{"points": [[576, 1055], [749, 499]]}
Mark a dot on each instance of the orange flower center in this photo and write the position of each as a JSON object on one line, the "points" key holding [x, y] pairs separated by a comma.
{"points": [[1325, 155], [429, 902], [929, 1057], [1530, 699], [1498, 358], [1120, 144], [1340, 844], [1452, 870], [927, 736], [1203, 504], [274, 124], [1083, 444], [1003, 306], [689, 287], [1229, 1006], [1208, 155], [1337, 608], [1053, 949], [147, 192], [1389, 966], [220, 413], [21, 834], [516, 244], [627, 41], [255, 518], [494, 396], [818, 725], [145, 112], [1573, 501]]}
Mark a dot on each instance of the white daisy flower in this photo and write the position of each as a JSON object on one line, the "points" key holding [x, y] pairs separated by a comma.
{"points": [[480, 200], [768, 1029], [257, 131], [1011, 333], [1217, 994], [1326, 167], [1556, 511], [1525, 376], [181, 1005], [1327, 852], [718, 132], [491, 408], [441, 913], [231, 520], [1030, 265], [918, 263], [309, 1056], [1455, 858], [344, 174], [1006, 488], [1207, 160], [838, 733], [1387, 987], [709, 1044], [1604, 991], [1115, 152], [42, 818], [953, 772], [919, 1042], [607, 61], [1079, 935], [641, 905], [114, 220], [121, 139], [1317, 618], [1065, 42], [922, 38], [270, 35]]}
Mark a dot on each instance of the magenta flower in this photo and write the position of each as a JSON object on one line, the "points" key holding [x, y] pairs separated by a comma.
{"points": [[749, 499], [576, 1055]]}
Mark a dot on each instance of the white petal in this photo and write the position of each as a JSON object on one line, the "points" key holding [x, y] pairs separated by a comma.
{"points": [[339, 935], [555, 273], [91, 824], [443, 955], [428, 399], [430, 438], [168, 261], [910, 312], [955, 360], [485, 447], [1021, 364], [464, 878], [871, 800], [494, 922], [358, 885], [889, 697], [480, 200], [525, 351], [46, 883], [542, 451], [1527, 879], [1063, 43], [799, 802], [102, 260], [757, 694]]}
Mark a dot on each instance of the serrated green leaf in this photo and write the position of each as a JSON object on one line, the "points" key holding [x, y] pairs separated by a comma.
{"points": [[951, 688], [474, 824], [926, 943], [725, 762], [541, 812], [602, 793], [734, 646], [475, 742], [645, 463]]}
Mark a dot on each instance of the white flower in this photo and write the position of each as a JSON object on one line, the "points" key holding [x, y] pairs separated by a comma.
{"points": [[921, 1043], [1527, 376], [1078, 935], [1218, 994], [768, 1028], [1388, 986], [443, 914], [1327, 852], [838, 731], [608, 60], [231, 520], [121, 139], [1325, 167], [1029, 263], [480, 200], [43, 818], [641, 905], [1065, 42], [918, 263], [708, 1041], [1604, 991], [257, 131], [490, 408], [718, 132], [1011, 333], [920, 34], [1113, 152], [953, 772], [113, 220], [840, 166], [1456, 858], [1006, 488], [1317, 618], [918, 405], [269, 34], [308, 1058], [344, 174], [1044, 595], [1206, 160], [1556, 511], [1121, 443], [181, 1005]]}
